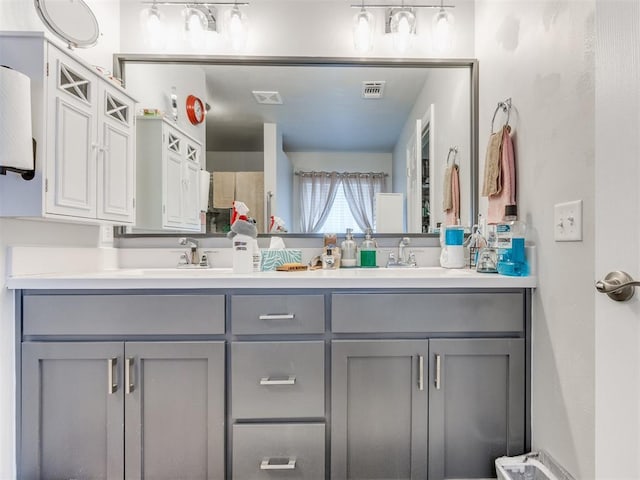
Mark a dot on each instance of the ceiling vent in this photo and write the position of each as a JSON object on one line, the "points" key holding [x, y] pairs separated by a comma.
{"points": [[373, 89], [267, 98]]}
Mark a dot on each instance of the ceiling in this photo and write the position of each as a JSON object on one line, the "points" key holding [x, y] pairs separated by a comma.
{"points": [[322, 110]]}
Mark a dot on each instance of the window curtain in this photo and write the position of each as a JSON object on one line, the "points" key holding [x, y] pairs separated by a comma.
{"points": [[317, 193], [360, 190]]}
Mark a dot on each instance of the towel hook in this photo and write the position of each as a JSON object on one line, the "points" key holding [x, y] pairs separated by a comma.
{"points": [[506, 108], [455, 153]]}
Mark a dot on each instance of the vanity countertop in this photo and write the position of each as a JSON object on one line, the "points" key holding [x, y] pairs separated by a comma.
{"points": [[173, 278]]}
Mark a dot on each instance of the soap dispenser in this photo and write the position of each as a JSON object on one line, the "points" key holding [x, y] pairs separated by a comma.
{"points": [[349, 248], [368, 251]]}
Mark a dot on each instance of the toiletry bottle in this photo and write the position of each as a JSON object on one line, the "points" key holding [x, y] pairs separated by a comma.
{"points": [[243, 233], [329, 261], [348, 250], [510, 237], [368, 251]]}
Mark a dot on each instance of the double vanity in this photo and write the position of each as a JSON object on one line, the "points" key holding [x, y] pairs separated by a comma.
{"points": [[168, 373]]}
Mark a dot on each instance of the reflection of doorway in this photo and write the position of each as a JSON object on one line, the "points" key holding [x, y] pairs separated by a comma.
{"points": [[420, 191], [428, 176]]}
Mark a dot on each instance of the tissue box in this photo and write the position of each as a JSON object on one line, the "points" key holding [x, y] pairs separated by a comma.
{"points": [[274, 258]]}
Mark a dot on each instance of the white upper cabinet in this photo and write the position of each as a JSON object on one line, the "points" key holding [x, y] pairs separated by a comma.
{"points": [[84, 127], [168, 162]]}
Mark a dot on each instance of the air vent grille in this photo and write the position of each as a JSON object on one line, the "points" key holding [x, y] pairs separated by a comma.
{"points": [[267, 98], [373, 89]]}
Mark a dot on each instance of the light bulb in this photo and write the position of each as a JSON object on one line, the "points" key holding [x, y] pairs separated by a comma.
{"points": [[195, 25], [237, 27], [443, 31], [151, 20], [363, 31], [403, 24]]}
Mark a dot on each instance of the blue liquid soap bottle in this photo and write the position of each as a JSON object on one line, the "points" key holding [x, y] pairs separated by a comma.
{"points": [[510, 234]]}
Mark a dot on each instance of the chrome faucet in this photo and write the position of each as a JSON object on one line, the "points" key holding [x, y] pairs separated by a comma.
{"points": [[191, 256], [405, 258]]}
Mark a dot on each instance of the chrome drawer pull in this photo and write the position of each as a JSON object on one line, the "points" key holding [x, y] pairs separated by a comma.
{"points": [[438, 372], [290, 380], [277, 316], [112, 386], [420, 372], [128, 384], [267, 465]]}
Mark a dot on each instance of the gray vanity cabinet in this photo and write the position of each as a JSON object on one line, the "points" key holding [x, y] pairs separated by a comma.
{"points": [[72, 411], [174, 410], [476, 405], [379, 409], [122, 410]]}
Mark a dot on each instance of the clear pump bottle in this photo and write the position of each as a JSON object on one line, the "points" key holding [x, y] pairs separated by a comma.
{"points": [[349, 250], [368, 251]]}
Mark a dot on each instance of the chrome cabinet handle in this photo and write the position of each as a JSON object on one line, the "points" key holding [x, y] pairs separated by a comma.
{"points": [[420, 372], [438, 367], [267, 465], [128, 384], [112, 386], [618, 285], [277, 316], [290, 380]]}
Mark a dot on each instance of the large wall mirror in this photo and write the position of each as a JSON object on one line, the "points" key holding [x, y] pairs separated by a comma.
{"points": [[271, 122]]}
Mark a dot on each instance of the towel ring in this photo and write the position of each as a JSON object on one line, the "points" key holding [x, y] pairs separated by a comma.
{"points": [[506, 108], [455, 153]]}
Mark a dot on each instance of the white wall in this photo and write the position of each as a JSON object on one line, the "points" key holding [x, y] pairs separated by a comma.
{"points": [[541, 54], [21, 15], [449, 91], [278, 174], [151, 85]]}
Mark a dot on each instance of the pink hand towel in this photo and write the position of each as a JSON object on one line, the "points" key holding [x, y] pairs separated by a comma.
{"points": [[453, 214], [507, 195]]}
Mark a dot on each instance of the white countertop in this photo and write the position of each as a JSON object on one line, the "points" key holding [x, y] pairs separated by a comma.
{"points": [[150, 278]]}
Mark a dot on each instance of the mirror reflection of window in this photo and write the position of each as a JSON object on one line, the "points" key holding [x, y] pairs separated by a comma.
{"points": [[333, 202]]}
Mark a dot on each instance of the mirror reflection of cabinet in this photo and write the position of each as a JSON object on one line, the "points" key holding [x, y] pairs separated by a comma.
{"points": [[167, 179]]}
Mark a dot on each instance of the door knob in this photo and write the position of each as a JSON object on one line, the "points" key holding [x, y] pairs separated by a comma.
{"points": [[618, 285]]}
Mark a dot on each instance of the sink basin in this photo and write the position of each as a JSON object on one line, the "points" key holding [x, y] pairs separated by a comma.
{"points": [[186, 272]]}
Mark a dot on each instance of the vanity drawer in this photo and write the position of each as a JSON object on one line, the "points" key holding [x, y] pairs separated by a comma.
{"points": [[119, 315], [277, 379], [264, 314], [289, 451], [428, 312]]}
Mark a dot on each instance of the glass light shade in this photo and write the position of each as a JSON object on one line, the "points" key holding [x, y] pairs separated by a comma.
{"points": [[152, 25], [237, 28], [443, 31], [195, 26], [403, 29], [363, 25]]}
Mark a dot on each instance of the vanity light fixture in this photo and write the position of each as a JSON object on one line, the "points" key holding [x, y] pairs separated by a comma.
{"points": [[400, 22], [403, 28], [363, 25], [237, 26], [200, 20], [151, 19], [442, 30]]}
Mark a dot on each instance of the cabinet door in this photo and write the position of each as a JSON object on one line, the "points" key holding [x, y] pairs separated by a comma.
{"points": [[71, 143], [191, 187], [476, 405], [173, 181], [174, 411], [116, 160], [379, 410], [72, 411]]}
